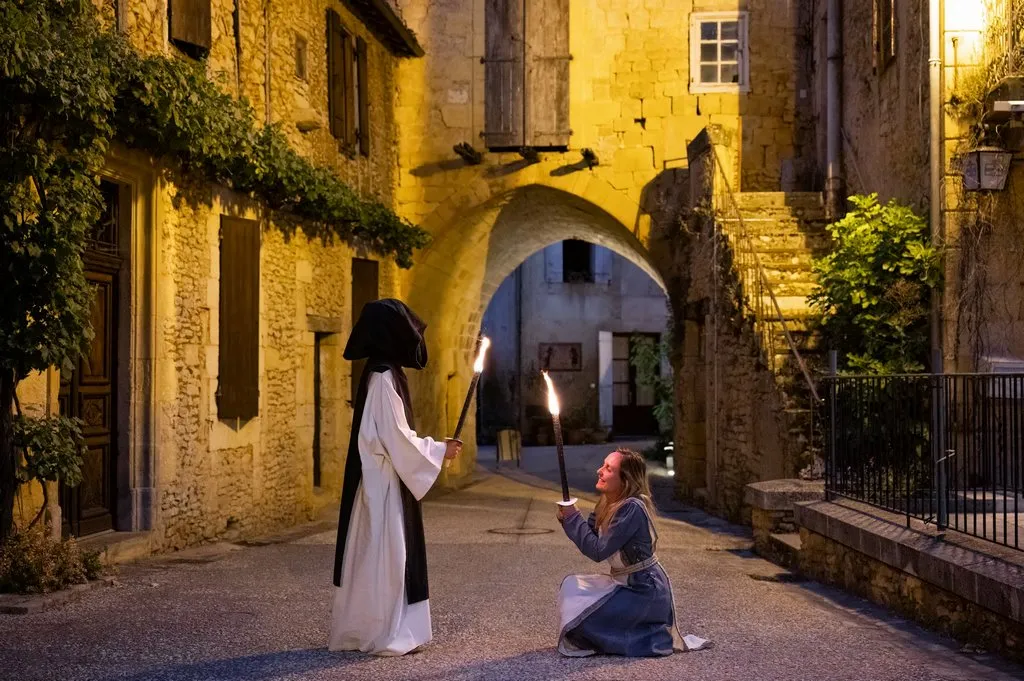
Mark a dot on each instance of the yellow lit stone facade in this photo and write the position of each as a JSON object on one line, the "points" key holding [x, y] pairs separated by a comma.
{"points": [[181, 472], [630, 101], [189, 476]]}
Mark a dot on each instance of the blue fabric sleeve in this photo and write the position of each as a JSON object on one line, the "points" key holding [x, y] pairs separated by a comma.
{"points": [[626, 522]]}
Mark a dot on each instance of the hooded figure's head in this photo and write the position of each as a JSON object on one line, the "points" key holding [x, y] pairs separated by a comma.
{"points": [[388, 331]]}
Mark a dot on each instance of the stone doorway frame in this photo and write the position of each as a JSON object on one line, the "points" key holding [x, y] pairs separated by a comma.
{"points": [[137, 464]]}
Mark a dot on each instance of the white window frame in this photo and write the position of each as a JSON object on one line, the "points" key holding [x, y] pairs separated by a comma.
{"points": [[743, 86]]}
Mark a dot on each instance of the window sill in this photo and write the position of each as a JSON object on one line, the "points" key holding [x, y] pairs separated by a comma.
{"points": [[719, 89]]}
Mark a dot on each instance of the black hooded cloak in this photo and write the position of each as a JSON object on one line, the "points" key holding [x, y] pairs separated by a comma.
{"points": [[389, 336]]}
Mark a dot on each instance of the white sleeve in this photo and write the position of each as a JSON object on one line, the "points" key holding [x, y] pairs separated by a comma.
{"points": [[417, 460]]}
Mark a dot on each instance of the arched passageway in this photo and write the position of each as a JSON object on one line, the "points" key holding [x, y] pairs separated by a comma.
{"points": [[478, 241]]}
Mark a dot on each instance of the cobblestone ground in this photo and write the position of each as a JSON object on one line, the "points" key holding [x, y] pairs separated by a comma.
{"points": [[260, 611]]}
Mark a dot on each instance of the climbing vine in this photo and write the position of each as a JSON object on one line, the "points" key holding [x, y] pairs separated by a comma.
{"points": [[980, 218]]}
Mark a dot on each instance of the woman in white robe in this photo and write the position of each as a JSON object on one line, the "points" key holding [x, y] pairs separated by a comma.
{"points": [[381, 601]]}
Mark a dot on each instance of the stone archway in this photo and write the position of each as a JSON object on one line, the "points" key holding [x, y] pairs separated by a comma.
{"points": [[481, 235]]}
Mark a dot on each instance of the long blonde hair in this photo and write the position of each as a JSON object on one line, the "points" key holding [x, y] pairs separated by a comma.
{"points": [[633, 473]]}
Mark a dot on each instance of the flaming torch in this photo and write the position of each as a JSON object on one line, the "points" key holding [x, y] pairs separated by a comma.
{"points": [[478, 367], [554, 409]]}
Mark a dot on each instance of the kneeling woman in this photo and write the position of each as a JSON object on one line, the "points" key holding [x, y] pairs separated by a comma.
{"points": [[629, 612]]}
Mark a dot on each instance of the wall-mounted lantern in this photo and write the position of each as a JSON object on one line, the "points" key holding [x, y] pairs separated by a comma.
{"points": [[986, 169]]}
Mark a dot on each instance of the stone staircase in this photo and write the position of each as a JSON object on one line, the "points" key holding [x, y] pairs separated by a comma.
{"points": [[786, 230]]}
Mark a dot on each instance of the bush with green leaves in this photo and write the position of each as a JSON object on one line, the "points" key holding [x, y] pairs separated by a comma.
{"points": [[32, 562], [71, 89], [873, 288], [647, 356]]}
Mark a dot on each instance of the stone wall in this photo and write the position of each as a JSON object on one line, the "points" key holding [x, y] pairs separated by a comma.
{"points": [[831, 562], [884, 109]]}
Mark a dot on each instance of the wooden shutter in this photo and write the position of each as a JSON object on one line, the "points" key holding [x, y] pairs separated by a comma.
{"points": [[238, 373], [547, 73], [553, 263], [602, 265], [363, 96], [336, 75], [503, 74], [190, 22]]}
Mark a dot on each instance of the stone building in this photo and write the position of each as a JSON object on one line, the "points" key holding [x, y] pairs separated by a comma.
{"points": [[575, 310], [214, 395], [886, 132], [502, 127], [573, 118]]}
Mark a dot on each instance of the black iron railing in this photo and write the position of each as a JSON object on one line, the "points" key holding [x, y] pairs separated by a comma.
{"points": [[945, 449]]}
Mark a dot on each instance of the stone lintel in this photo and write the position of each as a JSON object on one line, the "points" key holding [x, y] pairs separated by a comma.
{"points": [[781, 495], [982, 579]]}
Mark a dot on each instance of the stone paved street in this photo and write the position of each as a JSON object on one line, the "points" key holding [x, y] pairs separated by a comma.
{"points": [[260, 611]]}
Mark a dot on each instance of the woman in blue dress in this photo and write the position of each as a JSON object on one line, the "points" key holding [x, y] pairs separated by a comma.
{"points": [[629, 611]]}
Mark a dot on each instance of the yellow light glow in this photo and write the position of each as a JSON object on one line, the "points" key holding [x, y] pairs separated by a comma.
{"points": [[552, 397], [478, 365]]}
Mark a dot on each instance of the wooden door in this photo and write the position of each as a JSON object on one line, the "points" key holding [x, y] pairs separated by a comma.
{"points": [[90, 391], [365, 283], [632, 404]]}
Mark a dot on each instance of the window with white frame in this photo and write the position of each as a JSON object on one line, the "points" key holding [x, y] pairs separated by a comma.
{"points": [[718, 52]]}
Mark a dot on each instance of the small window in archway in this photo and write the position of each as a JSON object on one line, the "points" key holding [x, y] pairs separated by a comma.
{"points": [[577, 261]]}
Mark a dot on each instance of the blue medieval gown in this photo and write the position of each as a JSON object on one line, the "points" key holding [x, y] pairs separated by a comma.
{"points": [[629, 611]]}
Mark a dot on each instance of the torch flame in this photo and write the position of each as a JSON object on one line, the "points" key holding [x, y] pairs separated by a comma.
{"points": [[478, 365], [552, 397]]}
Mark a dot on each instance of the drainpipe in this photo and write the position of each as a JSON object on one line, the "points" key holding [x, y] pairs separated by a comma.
{"points": [[835, 183], [935, 164]]}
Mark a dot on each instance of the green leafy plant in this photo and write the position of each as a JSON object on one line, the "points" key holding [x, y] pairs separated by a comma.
{"points": [[874, 287], [51, 451], [69, 90], [647, 356], [32, 562]]}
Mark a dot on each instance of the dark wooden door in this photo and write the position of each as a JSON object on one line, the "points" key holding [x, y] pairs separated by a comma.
{"points": [[365, 283], [632, 404], [90, 391]]}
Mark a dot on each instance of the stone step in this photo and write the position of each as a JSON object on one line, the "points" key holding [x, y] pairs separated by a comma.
{"points": [[779, 233], [816, 245], [792, 288], [792, 307], [806, 341], [780, 199]]}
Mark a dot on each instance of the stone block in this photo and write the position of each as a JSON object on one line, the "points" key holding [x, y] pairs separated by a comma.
{"points": [[782, 494]]}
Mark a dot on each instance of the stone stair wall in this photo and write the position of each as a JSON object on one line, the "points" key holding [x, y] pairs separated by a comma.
{"points": [[787, 230]]}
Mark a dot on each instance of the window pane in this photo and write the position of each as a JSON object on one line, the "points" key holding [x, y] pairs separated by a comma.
{"points": [[709, 74], [730, 30], [709, 30], [620, 371], [620, 396], [729, 51], [645, 396], [709, 52], [730, 73], [620, 347]]}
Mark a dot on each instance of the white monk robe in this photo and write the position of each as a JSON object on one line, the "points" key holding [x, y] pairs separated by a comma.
{"points": [[370, 611]]}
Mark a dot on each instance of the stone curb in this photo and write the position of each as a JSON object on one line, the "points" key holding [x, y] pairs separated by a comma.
{"points": [[29, 604], [976, 577]]}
